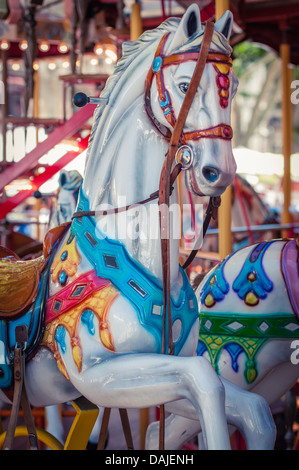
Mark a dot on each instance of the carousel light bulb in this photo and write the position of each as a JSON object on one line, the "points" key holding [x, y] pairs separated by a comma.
{"points": [[44, 46], [4, 45], [63, 48], [35, 66], [93, 61], [15, 66], [111, 54], [52, 66], [98, 49], [23, 45]]}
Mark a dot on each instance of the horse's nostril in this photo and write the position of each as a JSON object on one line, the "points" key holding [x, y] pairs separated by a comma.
{"points": [[210, 173]]}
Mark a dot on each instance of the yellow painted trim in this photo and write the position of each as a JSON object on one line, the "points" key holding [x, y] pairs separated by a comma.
{"points": [[43, 436], [83, 424]]}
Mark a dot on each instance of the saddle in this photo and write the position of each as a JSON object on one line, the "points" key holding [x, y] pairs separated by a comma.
{"points": [[20, 279], [23, 295]]}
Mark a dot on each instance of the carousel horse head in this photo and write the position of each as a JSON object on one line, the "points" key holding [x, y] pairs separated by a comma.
{"points": [[144, 96], [69, 185]]}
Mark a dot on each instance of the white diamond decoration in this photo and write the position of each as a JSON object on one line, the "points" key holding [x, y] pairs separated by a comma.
{"points": [[208, 324], [291, 327], [156, 310], [176, 330], [235, 326], [263, 326]]}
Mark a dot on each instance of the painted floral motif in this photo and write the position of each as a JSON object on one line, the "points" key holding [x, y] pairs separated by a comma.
{"points": [[66, 262], [215, 288], [223, 83], [97, 305], [252, 283]]}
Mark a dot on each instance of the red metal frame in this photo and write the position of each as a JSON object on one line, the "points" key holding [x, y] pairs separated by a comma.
{"points": [[37, 181], [69, 128]]}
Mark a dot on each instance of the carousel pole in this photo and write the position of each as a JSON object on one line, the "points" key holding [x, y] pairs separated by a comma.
{"points": [[5, 104], [224, 211], [136, 22], [287, 128], [135, 31]]}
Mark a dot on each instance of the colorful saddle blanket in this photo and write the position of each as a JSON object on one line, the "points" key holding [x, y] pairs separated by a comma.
{"points": [[33, 320], [23, 295]]}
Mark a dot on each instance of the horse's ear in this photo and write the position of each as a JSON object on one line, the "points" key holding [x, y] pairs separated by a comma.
{"points": [[225, 24], [62, 178], [189, 25]]}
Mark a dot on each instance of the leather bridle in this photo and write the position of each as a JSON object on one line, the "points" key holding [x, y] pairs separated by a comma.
{"points": [[160, 62]]}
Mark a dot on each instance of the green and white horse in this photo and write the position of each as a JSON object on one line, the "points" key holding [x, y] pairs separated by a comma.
{"points": [[249, 327]]}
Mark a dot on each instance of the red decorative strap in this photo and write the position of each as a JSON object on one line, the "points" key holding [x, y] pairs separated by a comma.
{"points": [[222, 131], [74, 293]]}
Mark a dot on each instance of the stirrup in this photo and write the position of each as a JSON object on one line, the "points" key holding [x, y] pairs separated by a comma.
{"points": [[20, 394]]}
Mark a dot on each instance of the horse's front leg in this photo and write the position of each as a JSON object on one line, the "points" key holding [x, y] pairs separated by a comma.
{"points": [[144, 380]]}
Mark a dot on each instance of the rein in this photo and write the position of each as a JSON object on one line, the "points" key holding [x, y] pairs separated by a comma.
{"points": [[164, 194], [164, 197]]}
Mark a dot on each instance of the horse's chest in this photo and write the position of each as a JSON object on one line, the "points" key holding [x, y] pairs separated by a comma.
{"points": [[115, 301]]}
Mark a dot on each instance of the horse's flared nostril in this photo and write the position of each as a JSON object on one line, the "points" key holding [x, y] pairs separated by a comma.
{"points": [[210, 173]]}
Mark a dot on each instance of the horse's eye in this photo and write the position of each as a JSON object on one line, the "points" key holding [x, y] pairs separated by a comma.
{"points": [[184, 87]]}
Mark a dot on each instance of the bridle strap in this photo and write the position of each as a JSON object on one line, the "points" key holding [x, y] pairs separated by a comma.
{"points": [[174, 174], [222, 131], [164, 198], [164, 195], [176, 59], [211, 211]]}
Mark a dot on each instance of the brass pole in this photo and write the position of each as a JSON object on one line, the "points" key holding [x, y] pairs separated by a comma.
{"points": [[224, 211], [136, 22], [287, 130], [135, 31], [4, 106]]}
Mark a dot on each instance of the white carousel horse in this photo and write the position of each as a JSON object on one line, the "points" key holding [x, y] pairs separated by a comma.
{"points": [[249, 327], [103, 336]]}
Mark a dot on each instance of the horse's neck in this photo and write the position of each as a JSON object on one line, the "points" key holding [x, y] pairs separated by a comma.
{"points": [[138, 230], [136, 153]]}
